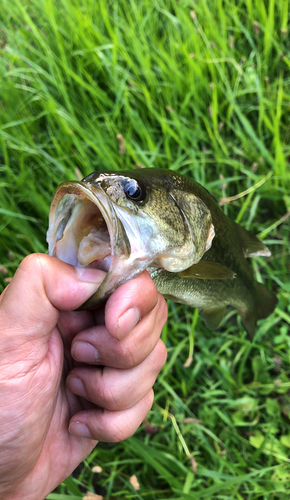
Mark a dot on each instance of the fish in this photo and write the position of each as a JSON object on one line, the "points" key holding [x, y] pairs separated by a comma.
{"points": [[170, 225]]}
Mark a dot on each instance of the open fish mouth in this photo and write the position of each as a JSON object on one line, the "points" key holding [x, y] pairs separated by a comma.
{"points": [[85, 231], [82, 228], [79, 227]]}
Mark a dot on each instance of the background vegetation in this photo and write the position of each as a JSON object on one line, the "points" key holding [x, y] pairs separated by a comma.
{"points": [[198, 87]]}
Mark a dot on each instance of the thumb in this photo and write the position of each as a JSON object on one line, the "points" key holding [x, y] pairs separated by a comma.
{"points": [[41, 288]]}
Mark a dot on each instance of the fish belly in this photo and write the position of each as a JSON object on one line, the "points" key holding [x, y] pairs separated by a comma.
{"points": [[252, 300], [212, 297]]}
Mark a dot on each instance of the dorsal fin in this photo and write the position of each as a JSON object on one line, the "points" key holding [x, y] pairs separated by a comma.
{"points": [[207, 270], [252, 246]]}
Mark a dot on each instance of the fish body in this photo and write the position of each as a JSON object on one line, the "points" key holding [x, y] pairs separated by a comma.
{"points": [[159, 220]]}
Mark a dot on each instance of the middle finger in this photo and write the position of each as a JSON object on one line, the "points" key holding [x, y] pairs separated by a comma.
{"points": [[115, 389], [96, 346]]}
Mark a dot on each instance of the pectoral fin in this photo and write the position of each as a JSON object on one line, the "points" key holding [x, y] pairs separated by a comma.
{"points": [[252, 246], [207, 270]]}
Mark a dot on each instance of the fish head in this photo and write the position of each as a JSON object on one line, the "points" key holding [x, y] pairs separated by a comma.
{"points": [[126, 222]]}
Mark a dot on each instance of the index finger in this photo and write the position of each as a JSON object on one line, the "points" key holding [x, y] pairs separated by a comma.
{"points": [[129, 304]]}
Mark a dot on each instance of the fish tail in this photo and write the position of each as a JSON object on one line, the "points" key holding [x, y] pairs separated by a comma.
{"points": [[263, 306]]}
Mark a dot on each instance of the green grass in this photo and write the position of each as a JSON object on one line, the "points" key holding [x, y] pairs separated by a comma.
{"points": [[198, 87]]}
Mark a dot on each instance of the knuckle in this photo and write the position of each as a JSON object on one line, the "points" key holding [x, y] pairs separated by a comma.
{"points": [[117, 431], [127, 354], [34, 266], [30, 261], [148, 400], [151, 290], [34, 262], [108, 397], [149, 293], [158, 357], [162, 309], [161, 352], [118, 426], [98, 387]]}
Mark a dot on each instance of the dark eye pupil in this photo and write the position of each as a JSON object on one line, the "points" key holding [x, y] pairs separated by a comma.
{"points": [[134, 191]]}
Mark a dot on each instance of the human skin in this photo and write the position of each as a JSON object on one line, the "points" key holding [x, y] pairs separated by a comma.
{"points": [[69, 379]]}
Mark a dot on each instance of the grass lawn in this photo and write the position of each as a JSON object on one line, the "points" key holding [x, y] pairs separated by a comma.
{"points": [[201, 88]]}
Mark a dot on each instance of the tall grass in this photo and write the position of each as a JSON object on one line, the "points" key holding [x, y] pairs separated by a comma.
{"points": [[198, 87]]}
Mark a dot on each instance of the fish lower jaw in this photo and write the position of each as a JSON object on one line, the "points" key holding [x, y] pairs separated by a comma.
{"points": [[102, 264]]}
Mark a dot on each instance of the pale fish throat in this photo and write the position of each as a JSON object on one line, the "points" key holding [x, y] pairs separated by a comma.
{"points": [[80, 231]]}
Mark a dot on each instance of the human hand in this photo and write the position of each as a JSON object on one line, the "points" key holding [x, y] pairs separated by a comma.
{"points": [[54, 404]]}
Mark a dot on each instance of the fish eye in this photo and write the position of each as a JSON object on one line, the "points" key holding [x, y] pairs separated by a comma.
{"points": [[134, 190]]}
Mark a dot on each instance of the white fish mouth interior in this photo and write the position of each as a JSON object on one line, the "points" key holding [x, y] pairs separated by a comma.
{"points": [[84, 240]]}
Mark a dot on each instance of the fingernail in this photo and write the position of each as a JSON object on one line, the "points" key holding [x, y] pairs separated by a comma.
{"points": [[80, 430], [83, 351], [90, 275], [75, 385], [127, 322]]}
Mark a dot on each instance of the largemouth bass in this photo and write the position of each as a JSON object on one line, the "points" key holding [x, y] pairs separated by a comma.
{"points": [[159, 220]]}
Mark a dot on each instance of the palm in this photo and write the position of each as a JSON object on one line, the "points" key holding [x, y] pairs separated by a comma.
{"points": [[46, 395]]}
